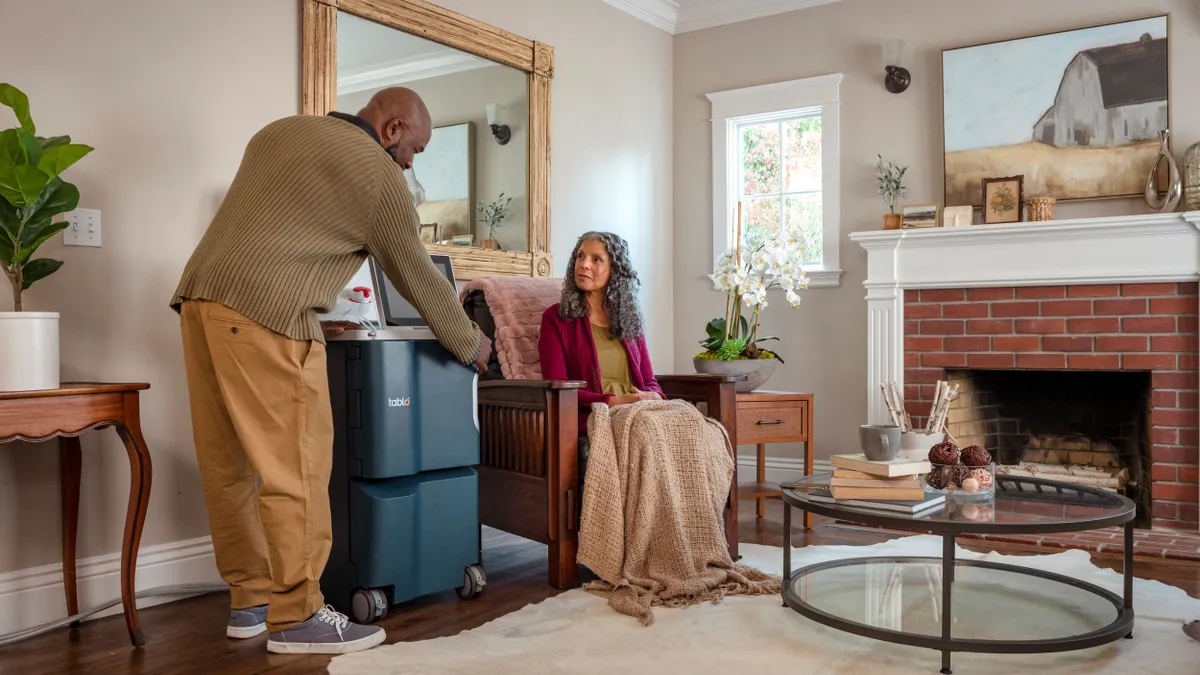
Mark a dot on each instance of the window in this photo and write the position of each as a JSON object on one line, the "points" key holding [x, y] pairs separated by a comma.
{"points": [[775, 151]]}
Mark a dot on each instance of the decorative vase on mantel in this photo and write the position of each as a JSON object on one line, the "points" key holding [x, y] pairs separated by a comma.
{"points": [[1168, 202]]}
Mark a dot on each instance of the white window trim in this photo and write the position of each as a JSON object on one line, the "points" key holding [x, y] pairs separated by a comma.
{"points": [[734, 107]]}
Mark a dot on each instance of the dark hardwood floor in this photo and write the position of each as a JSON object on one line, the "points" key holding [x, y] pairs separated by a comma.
{"points": [[188, 637]]}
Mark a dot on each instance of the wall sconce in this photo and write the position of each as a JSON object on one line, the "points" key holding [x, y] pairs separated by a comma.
{"points": [[898, 77], [500, 132]]}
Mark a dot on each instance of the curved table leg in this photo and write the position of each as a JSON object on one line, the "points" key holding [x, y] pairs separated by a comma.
{"points": [[70, 468], [135, 516]]}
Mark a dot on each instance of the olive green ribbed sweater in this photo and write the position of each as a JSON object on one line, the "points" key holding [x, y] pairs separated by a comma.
{"points": [[312, 198]]}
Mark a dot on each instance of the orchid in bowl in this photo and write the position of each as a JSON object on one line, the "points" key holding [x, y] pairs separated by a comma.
{"points": [[745, 277]]}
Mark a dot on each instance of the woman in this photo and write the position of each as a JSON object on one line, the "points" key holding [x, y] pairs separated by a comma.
{"points": [[594, 334]]}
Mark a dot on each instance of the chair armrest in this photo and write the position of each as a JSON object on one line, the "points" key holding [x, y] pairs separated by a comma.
{"points": [[699, 378], [531, 384]]}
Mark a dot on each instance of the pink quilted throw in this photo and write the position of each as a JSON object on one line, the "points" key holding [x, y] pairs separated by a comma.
{"points": [[517, 304]]}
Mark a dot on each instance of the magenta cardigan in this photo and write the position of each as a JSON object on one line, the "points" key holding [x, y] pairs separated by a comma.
{"points": [[568, 352]]}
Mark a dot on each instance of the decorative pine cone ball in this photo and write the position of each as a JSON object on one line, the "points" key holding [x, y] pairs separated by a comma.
{"points": [[937, 479], [956, 474], [944, 453], [974, 455]]}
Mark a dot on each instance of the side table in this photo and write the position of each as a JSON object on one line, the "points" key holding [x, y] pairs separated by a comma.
{"points": [[773, 417], [67, 413]]}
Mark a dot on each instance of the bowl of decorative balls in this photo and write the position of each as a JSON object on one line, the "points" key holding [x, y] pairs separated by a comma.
{"points": [[965, 473]]}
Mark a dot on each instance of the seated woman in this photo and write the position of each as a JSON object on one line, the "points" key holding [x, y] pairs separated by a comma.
{"points": [[677, 461], [594, 334]]}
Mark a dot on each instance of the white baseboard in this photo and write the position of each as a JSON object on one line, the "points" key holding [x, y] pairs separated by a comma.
{"points": [[34, 596], [779, 469]]}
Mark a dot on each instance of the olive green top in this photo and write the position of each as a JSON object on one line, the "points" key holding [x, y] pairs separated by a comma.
{"points": [[313, 197], [615, 378]]}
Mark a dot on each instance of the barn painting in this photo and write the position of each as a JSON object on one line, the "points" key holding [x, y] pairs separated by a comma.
{"points": [[1078, 113]]}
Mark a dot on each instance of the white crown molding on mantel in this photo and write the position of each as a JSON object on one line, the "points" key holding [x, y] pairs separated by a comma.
{"points": [[1107, 250], [398, 72], [684, 16]]}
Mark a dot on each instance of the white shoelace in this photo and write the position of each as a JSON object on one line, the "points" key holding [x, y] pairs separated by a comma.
{"points": [[334, 618]]}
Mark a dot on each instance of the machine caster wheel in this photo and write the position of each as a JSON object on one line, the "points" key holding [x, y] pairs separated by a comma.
{"points": [[474, 581], [368, 605]]}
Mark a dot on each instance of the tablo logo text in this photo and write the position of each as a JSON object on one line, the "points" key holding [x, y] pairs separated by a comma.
{"points": [[399, 402]]}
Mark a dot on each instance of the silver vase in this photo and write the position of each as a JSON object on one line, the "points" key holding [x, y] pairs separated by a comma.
{"points": [[1191, 178], [1170, 200]]}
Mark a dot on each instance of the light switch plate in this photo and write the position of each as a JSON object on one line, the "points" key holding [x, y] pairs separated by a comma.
{"points": [[83, 228]]}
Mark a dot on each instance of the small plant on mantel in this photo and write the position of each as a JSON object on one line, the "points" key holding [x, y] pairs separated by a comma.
{"points": [[892, 189], [31, 194]]}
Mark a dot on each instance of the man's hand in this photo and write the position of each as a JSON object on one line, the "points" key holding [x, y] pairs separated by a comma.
{"points": [[485, 354], [332, 329]]}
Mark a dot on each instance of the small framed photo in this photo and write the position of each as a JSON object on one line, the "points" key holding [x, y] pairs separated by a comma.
{"points": [[430, 233], [919, 215], [1002, 199], [957, 216]]}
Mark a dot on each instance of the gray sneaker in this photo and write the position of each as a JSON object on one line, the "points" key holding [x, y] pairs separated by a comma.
{"points": [[326, 632], [246, 623]]}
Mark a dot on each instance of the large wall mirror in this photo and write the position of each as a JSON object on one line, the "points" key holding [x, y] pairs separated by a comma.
{"points": [[483, 181]]}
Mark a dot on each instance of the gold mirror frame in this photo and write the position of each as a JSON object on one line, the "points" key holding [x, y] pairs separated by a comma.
{"points": [[318, 91]]}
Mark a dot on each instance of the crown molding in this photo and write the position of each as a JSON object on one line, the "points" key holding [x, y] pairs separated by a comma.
{"points": [[662, 14], [392, 73], [711, 13], [670, 16]]}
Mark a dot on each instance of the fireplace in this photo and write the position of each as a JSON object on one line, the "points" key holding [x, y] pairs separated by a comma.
{"points": [[1113, 298], [1085, 427]]}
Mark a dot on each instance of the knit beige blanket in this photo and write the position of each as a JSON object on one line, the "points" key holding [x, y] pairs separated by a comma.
{"points": [[658, 477]]}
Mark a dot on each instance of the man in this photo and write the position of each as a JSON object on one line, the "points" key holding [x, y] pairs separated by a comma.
{"points": [[313, 196]]}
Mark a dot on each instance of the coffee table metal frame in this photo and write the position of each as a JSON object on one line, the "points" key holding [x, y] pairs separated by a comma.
{"points": [[1043, 490]]}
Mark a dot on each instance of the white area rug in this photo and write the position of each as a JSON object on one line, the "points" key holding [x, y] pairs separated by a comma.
{"points": [[578, 633]]}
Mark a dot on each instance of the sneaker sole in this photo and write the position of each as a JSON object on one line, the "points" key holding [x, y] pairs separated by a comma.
{"points": [[243, 632], [358, 645]]}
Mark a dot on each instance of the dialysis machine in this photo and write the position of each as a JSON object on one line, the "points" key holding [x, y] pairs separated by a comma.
{"points": [[403, 494]]}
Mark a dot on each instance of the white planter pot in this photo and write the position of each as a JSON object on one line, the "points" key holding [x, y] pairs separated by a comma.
{"points": [[28, 351], [757, 372]]}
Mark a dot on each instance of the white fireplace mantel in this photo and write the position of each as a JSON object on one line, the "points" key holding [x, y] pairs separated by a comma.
{"points": [[1121, 249]]}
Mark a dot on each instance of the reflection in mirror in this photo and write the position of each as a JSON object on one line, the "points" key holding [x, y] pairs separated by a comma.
{"points": [[473, 173]]}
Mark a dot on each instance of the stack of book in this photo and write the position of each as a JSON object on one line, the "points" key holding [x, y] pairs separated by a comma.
{"points": [[893, 485]]}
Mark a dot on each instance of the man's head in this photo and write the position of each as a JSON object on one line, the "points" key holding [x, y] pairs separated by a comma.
{"points": [[402, 121]]}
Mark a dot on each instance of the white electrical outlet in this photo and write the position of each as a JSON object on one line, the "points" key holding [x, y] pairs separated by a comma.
{"points": [[83, 228]]}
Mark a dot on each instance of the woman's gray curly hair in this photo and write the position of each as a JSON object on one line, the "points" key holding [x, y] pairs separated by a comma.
{"points": [[620, 295]]}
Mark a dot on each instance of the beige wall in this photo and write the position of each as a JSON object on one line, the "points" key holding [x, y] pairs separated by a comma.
{"points": [[825, 342], [461, 97], [169, 93]]}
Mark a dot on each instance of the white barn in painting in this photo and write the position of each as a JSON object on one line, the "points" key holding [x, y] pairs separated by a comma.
{"points": [[1109, 96]]}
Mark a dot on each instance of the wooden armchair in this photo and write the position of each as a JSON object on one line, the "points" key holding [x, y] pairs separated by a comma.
{"points": [[529, 473]]}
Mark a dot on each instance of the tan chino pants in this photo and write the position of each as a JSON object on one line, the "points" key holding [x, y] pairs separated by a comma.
{"points": [[260, 407]]}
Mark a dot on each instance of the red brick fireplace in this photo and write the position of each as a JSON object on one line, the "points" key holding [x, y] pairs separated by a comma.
{"points": [[1148, 328]]}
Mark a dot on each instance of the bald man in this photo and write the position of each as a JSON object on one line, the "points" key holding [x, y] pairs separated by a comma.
{"points": [[313, 197]]}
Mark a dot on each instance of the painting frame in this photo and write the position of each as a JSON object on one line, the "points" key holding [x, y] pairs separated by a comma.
{"points": [[918, 209], [1020, 200], [431, 233], [454, 216], [953, 189]]}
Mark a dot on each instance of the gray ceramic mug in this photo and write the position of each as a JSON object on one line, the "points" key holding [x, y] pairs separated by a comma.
{"points": [[879, 442]]}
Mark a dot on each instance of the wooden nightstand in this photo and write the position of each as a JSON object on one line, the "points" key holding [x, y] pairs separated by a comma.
{"points": [[773, 417]]}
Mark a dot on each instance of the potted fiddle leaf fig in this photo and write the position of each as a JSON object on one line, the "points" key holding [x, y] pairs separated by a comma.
{"points": [[32, 193]]}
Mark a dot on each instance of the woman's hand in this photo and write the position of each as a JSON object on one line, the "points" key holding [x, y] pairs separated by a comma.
{"points": [[636, 397]]}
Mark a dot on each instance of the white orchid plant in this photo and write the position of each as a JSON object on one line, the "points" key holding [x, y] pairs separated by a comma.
{"points": [[745, 277]]}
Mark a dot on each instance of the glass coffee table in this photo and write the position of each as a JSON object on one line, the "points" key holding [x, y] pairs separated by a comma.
{"points": [[967, 605]]}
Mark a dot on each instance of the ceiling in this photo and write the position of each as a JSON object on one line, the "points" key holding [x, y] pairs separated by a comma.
{"points": [[681, 16]]}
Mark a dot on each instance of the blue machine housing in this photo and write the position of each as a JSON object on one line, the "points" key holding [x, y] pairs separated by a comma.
{"points": [[404, 497]]}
